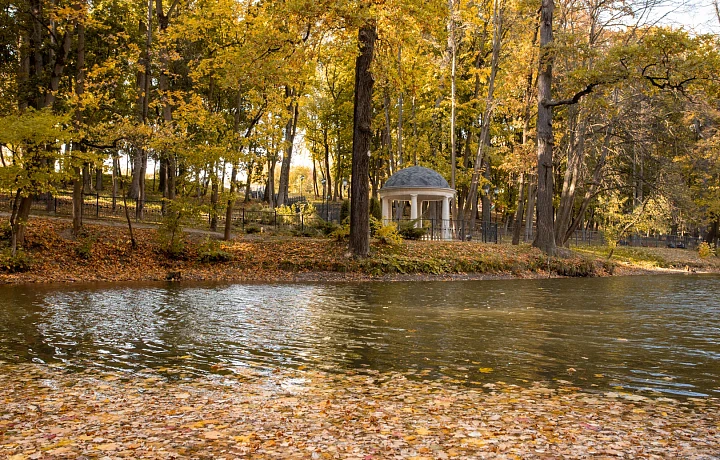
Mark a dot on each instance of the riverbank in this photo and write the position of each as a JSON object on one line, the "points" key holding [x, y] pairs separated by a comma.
{"points": [[104, 253], [51, 413]]}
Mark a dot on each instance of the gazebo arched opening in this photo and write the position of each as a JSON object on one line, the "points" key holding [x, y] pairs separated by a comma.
{"points": [[418, 185]]}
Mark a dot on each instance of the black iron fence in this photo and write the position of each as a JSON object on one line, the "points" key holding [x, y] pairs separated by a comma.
{"points": [[246, 219], [329, 211], [94, 206], [152, 211], [662, 241]]}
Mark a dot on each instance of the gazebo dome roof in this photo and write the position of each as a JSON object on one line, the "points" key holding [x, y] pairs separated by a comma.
{"points": [[416, 177]]}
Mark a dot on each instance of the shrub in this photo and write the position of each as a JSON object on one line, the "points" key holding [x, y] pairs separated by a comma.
{"points": [[341, 233], [386, 234], [84, 248], [253, 228], [408, 231], [327, 228], [20, 262], [212, 251], [5, 232], [344, 210], [706, 250], [308, 232], [170, 233]]}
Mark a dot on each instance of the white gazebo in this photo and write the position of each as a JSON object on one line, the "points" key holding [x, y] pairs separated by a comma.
{"points": [[417, 185]]}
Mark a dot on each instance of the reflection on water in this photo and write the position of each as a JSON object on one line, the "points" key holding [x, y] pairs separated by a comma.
{"points": [[658, 333]]}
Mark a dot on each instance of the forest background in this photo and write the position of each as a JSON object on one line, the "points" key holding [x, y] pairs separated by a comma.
{"points": [[583, 113]]}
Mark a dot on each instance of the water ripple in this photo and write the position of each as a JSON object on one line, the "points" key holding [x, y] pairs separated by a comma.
{"points": [[658, 333]]}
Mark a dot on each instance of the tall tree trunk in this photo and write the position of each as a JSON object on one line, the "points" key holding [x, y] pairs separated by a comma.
{"points": [[18, 220], [362, 134], [230, 204], [545, 236], [162, 175], [24, 72], [140, 204], [290, 130], [57, 70], [171, 173], [115, 174], [415, 133], [86, 179], [78, 183], [314, 177], [452, 42], [270, 183], [517, 226], [214, 199], [530, 219], [484, 141], [485, 198], [143, 103], [164, 87], [133, 242], [233, 175], [400, 114], [387, 136], [77, 201], [328, 179], [248, 183], [576, 154], [591, 191], [137, 167]]}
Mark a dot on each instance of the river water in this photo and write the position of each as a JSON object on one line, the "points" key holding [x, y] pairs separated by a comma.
{"points": [[638, 333]]}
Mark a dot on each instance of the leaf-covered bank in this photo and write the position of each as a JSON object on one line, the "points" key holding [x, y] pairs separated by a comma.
{"points": [[47, 413], [104, 253]]}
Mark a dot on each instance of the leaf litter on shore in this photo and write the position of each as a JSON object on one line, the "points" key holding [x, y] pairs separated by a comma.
{"points": [[47, 412]]}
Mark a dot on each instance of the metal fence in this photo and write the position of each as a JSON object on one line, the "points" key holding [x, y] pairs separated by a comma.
{"points": [[329, 211], [662, 241], [108, 207], [245, 218]]}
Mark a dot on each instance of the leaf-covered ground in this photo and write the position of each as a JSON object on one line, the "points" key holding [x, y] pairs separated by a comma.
{"points": [[104, 254], [651, 258], [47, 413]]}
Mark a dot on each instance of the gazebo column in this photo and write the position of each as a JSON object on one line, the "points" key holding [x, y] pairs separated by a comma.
{"points": [[386, 210], [446, 218], [414, 208]]}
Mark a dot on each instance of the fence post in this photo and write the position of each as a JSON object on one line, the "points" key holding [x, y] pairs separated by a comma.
{"points": [[97, 204], [243, 218], [55, 205], [302, 223]]}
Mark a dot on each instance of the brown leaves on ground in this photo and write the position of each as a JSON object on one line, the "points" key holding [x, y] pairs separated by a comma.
{"points": [[47, 413], [103, 253]]}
